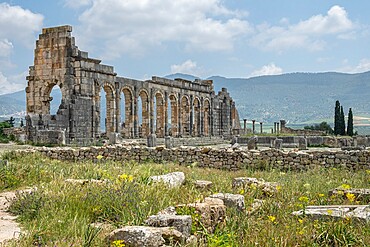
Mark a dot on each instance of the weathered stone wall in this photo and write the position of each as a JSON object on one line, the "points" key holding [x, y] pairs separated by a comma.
{"points": [[229, 159], [196, 110]]}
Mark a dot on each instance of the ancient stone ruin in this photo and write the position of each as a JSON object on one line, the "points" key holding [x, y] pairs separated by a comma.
{"points": [[177, 108]]}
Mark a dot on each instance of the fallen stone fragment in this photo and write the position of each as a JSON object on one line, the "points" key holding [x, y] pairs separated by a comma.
{"points": [[255, 206], [360, 212], [212, 213], [145, 236], [268, 188], [363, 194], [203, 184], [231, 200], [174, 179], [168, 211], [182, 223]]}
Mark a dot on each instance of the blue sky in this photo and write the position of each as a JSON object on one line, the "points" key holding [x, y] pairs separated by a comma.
{"points": [[231, 38]]}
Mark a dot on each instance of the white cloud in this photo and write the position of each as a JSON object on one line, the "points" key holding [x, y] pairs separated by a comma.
{"points": [[18, 24], [308, 34], [187, 67], [362, 66], [6, 48], [77, 4], [12, 83], [270, 69], [132, 26]]}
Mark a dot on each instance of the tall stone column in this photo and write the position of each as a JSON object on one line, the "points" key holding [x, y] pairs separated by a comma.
{"points": [[136, 118], [277, 128], [118, 111], [166, 114], [191, 116], [179, 116], [253, 126], [151, 112], [201, 122], [261, 127]]}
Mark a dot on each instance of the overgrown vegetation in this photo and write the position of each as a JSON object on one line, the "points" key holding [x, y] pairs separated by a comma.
{"points": [[3, 137], [323, 126], [59, 213]]}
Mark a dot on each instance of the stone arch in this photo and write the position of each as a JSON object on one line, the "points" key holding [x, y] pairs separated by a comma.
{"points": [[127, 124], [46, 98], [144, 128], [207, 117], [110, 98], [185, 115], [196, 117], [160, 114], [174, 131]]}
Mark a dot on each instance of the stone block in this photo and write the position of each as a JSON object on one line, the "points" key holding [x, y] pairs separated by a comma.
{"points": [[174, 179], [231, 200], [181, 223], [152, 140], [202, 184]]}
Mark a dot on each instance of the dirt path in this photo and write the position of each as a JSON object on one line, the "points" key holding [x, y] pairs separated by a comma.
{"points": [[8, 227]]}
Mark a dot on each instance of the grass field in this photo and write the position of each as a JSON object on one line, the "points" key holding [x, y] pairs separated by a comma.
{"points": [[59, 213]]}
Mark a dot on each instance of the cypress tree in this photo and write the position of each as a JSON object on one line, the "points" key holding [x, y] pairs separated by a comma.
{"points": [[342, 122], [337, 118], [350, 123]]}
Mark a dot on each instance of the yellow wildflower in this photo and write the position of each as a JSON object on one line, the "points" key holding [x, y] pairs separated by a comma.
{"points": [[303, 199], [272, 218], [130, 178], [330, 212], [118, 243], [351, 197], [99, 157], [321, 195], [345, 186], [123, 176], [241, 191], [368, 172], [300, 221]]}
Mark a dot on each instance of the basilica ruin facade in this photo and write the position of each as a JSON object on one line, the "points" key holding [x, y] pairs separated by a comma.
{"points": [[177, 108]]}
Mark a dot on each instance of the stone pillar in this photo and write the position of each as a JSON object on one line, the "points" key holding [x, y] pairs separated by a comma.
{"points": [[152, 140], [191, 115], [118, 112], [277, 128], [179, 116], [201, 116], [166, 114], [136, 119], [278, 143], [282, 125], [272, 130], [261, 127], [245, 125], [253, 126], [168, 142], [151, 112], [302, 143]]}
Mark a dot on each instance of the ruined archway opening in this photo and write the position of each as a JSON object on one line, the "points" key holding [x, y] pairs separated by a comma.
{"points": [[103, 111], [106, 110], [55, 98]]}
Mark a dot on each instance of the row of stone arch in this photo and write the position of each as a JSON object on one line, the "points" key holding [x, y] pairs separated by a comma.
{"points": [[162, 113]]}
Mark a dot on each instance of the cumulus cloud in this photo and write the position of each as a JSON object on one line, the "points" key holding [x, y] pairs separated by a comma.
{"points": [[18, 24], [362, 66], [12, 83], [307, 34], [270, 69], [187, 67], [132, 26], [77, 4], [6, 48]]}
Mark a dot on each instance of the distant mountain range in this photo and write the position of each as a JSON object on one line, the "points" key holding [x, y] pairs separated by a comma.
{"points": [[295, 97]]}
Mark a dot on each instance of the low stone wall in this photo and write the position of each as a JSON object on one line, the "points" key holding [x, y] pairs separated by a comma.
{"points": [[229, 159]]}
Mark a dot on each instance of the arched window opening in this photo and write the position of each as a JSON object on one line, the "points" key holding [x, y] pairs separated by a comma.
{"points": [[55, 100]]}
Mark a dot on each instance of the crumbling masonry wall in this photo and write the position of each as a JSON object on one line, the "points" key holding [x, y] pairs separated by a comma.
{"points": [[194, 107]]}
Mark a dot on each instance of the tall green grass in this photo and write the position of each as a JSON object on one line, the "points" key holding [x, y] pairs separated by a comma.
{"points": [[58, 213]]}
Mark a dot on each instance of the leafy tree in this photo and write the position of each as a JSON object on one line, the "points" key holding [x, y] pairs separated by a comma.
{"points": [[342, 122], [337, 118], [323, 126], [350, 123]]}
